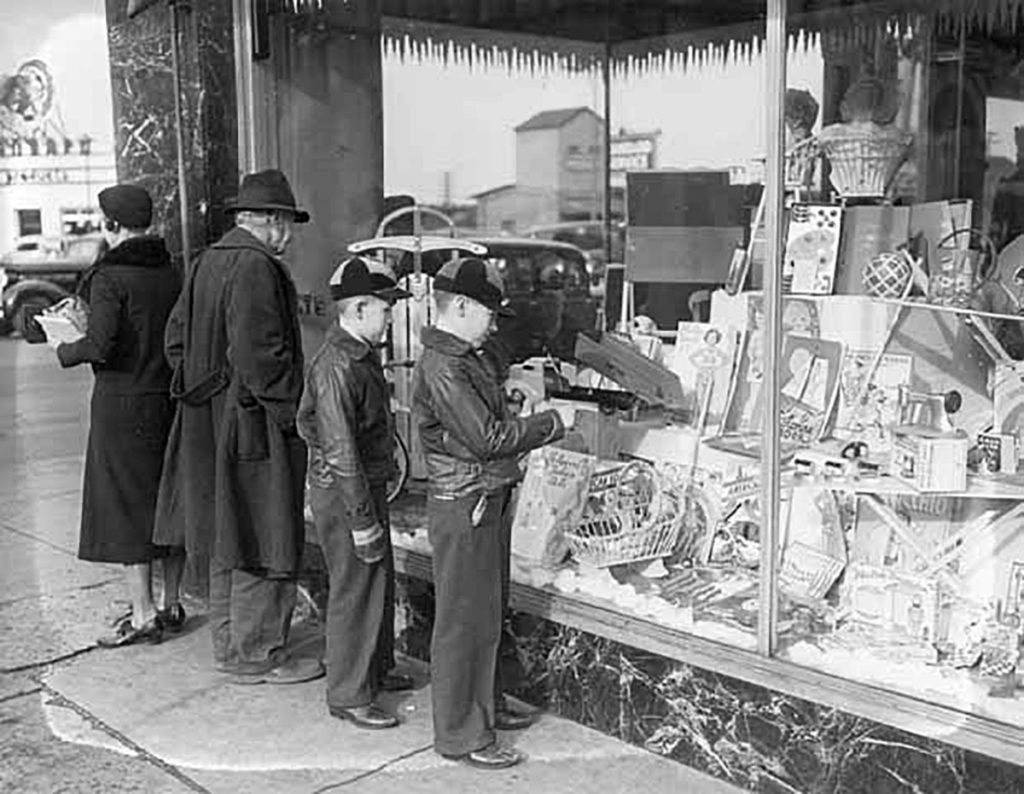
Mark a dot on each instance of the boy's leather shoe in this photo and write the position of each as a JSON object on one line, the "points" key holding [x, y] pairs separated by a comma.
{"points": [[396, 682], [491, 757], [293, 671], [372, 717], [506, 720]]}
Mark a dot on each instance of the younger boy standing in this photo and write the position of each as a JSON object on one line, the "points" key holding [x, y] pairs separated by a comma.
{"points": [[346, 420]]}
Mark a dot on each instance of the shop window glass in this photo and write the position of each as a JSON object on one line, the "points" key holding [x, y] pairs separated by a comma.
{"points": [[901, 561]]}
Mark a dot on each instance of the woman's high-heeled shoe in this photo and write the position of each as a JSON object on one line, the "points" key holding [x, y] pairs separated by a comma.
{"points": [[173, 618], [126, 634]]}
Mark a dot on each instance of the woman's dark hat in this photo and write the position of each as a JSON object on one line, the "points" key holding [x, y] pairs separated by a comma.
{"points": [[475, 279], [266, 191], [128, 205], [358, 276]]}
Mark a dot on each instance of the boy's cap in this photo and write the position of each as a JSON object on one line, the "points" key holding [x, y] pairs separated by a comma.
{"points": [[358, 276], [475, 279]]}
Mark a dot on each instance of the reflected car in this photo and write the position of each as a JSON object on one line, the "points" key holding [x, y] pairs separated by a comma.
{"points": [[40, 272], [547, 285], [589, 237]]}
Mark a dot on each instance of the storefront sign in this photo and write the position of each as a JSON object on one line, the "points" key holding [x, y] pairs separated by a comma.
{"points": [[634, 153], [36, 176]]}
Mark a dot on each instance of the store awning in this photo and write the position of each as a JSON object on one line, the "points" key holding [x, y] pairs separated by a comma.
{"points": [[636, 35], [644, 35]]}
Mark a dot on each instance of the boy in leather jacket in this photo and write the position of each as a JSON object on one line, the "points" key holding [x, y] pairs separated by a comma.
{"points": [[346, 420], [472, 446]]}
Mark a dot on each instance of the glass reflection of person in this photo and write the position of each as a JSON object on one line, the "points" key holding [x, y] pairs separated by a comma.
{"points": [[1008, 205]]}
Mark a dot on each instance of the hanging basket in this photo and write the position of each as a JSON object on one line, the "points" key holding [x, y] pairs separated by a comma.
{"points": [[864, 161]]}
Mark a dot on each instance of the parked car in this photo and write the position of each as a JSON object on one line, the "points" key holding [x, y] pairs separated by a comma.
{"points": [[546, 282], [41, 271], [589, 237], [548, 286]]}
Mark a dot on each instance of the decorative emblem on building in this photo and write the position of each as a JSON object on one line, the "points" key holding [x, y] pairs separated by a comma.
{"points": [[26, 101]]}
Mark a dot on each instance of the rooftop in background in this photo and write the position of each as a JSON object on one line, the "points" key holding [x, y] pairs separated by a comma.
{"points": [[552, 119]]}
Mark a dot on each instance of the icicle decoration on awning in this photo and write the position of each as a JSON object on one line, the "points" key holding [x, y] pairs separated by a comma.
{"points": [[833, 27], [408, 39]]}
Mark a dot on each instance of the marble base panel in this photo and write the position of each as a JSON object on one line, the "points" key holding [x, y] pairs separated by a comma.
{"points": [[753, 737]]}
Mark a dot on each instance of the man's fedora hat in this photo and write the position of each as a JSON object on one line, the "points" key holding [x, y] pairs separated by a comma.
{"points": [[475, 279], [358, 276], [265, 191]]}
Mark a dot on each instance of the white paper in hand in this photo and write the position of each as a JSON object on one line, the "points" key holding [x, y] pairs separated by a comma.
{"points": [[58, 329]]}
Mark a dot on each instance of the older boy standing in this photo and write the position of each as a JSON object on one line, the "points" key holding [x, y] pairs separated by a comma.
{"points": [[345, 418], [472, 445]]}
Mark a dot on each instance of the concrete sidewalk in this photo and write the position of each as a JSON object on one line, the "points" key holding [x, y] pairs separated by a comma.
{"points": [[74, 717]]}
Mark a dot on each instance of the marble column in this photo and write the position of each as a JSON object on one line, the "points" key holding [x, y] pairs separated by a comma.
{"points": [[314, 110], [144, 113]]}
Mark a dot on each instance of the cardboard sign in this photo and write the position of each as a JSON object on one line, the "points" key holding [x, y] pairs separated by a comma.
{"points": [[812, 247]]}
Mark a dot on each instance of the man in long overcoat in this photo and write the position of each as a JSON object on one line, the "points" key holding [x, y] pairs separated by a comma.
{"points": [[232, 490]]}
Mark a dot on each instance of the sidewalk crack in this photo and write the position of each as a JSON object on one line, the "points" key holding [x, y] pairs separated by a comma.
{"points": [[57, 699], [374, 771], [47, 662]]}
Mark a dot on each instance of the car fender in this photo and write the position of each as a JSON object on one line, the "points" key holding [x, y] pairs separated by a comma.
{"points": [[15, 294]]}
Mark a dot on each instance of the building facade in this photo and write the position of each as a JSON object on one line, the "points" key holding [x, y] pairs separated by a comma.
{"points": [[51, 194]]}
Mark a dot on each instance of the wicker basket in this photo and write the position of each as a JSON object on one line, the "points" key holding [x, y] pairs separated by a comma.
{"points": [[629, 517], [864, 162]]}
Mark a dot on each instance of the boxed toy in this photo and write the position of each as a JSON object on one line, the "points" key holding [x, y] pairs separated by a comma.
{"points": [[929, 461]]}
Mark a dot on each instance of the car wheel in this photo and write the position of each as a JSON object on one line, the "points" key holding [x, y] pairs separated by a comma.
{"points": [[24, 318]]}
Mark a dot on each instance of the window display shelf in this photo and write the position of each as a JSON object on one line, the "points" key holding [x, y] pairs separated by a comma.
{"points": [[1007, 487], [999, 738]]}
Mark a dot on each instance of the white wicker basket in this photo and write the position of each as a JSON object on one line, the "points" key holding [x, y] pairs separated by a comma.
{"points": [[629, 517], [864, 162]]}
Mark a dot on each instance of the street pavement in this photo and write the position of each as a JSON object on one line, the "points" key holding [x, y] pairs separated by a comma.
{"points": [[77, 718]]}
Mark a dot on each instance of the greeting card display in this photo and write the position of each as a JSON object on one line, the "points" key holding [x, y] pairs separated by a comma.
{"points": [[799, 316], [812, 249], [705, 356], [810, 384], [867, 413]]}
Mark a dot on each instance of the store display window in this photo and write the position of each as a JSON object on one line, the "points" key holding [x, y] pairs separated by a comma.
{"points": [[901, 551], [799, 434]]}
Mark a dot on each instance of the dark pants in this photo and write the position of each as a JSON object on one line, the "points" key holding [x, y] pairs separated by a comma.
{"points": [[508, 672], [469, 569], [360, 627], [250, 614]]}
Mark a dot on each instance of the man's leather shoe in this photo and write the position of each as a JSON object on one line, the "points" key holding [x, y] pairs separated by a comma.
{"points": [[491, 757], [396, 682], [371, 717], [506, 720], [293, 671]]}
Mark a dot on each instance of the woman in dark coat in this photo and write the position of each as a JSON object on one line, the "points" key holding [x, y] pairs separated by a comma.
{"points": [[131, 291]]}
